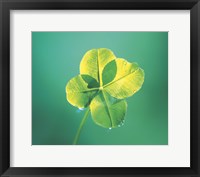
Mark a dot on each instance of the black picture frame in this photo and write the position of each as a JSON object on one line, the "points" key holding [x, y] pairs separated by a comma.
{"points": [[7, 5]]}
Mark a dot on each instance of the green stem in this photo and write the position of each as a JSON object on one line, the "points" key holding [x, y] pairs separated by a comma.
{"points": [[81, 126]]}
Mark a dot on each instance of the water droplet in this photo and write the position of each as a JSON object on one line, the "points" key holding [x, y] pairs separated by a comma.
{"points": [[79, 110], [109, 130], [121, 124]]}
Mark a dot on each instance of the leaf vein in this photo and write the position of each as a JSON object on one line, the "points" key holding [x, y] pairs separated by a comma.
{"points": [[120, 78], [109, 114]]}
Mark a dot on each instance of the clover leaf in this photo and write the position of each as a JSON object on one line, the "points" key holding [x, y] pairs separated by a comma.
{"points": [[103, 84]]}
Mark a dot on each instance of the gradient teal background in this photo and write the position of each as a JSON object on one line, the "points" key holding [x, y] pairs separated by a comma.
{"points": [[55, 60]]}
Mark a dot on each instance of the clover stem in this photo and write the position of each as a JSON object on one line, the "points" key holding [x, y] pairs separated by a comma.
{"points": [[81, 126]]}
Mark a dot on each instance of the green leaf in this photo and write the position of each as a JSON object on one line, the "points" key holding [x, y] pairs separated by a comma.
{"points": [[107, 111], [94, 61], [109, 72], [92, 83], [128, 79], [80, 92]]}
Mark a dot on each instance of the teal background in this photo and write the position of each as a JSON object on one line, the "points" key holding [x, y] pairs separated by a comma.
{"points": [[55, 60]]}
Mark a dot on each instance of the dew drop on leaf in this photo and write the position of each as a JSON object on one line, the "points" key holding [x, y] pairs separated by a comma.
{"points": [[79, 110]]}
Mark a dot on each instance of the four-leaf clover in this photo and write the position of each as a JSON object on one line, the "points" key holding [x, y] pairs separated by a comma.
{"points": [[103, 84]]}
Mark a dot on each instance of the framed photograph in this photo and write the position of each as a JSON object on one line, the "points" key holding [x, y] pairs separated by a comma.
{"points": [[99, 88]]}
